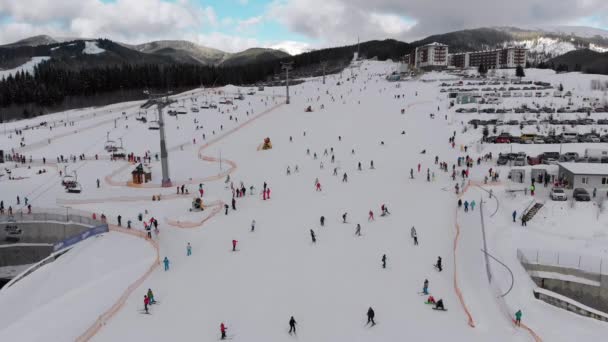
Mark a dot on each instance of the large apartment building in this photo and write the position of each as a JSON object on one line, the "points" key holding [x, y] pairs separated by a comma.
{"points": [[430, 56], [509, 57]]}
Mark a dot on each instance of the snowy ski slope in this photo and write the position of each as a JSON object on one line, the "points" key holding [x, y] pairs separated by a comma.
{"points": [[277, 271]]}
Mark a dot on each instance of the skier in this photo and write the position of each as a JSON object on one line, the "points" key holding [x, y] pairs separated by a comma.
{"points": [[223, 331], [292, 325], [472, 205], [226, 208], [370, 316], [358, 230], [430, 300], [371, 216], [288, 171], [384, 261], [371, 165], [514, 215], [166, 262], [253, 225], [344, 218], [345, 178], [188, 249], [98, 183], [322, 220], [438, 265], [411, 173], [518, 318], [384, 210], [119, 218], [234, 242], [146, 302], [312, 236], [414, 235], [459, 203], [359, 166], [151, 299], [466, 206], [233, 204], [425, 287], [439, 305], [200, 189], [318, 186]]}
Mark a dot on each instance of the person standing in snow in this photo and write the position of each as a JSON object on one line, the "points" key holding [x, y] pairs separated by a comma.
{"points": [[425, 287], [345, 178], [466, 206], [253, 225], [312, 236], [233, 203], [292, 325], [472, 205], [151, 299], [411, 173], [166, 262], [344, 218], [146, 302], [358, 230], [438, 265], [371, 165], [188, 249], [370, 316], [234, 242], [322, 221], [223, 329], [371, 216], [384, 261], [359, 166], [414, 235], [226, 208], [518, 318], [119, 219]]}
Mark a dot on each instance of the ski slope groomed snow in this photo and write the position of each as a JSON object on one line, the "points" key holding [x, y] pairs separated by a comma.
{"points": [[27, 67], [96, 291]]}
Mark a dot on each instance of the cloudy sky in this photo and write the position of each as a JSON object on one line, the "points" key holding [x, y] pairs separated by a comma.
{"points": [[294, 25]]}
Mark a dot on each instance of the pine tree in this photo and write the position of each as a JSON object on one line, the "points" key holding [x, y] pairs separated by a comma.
{"points": [[519, 71], [482, 69]]}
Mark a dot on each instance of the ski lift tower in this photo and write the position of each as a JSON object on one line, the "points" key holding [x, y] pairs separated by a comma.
{"points": [[161, 101], [287, 66]]}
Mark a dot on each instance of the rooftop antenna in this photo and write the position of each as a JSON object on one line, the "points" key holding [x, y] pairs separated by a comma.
{"points": [[287, 66]]}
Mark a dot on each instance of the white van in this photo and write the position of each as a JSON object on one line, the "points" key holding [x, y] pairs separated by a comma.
{"points": [[596, 152]]}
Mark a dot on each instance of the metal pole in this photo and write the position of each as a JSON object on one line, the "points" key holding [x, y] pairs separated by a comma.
{"points": [[287, 66]]}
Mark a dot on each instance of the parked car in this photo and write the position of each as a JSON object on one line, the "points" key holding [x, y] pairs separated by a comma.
{"points": [[558, 194], [520, 161], [581, 195], [570, 156], [502, 160]]}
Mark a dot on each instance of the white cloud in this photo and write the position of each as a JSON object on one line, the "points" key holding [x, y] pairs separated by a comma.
{"points": [[291, 47], [248, 24]]}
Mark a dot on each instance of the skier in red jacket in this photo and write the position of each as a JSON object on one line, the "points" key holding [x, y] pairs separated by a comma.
{"points": [[146, 302], [234, 245], [371, 216], [223, 331]]}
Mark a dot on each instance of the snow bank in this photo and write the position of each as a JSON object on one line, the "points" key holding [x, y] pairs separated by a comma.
{"points": [[27, 67], [91, 48]]}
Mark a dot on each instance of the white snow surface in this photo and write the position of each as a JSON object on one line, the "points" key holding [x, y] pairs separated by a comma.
{"points": [[277, 271], [27, 67], [91, 48], [548, 46]]}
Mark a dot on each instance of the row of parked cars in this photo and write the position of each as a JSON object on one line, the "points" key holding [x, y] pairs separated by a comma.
{"points": [[564, 138], [579, 194], [533, 122], [547, 158]]}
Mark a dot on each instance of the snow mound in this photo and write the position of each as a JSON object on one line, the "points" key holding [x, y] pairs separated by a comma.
{"points": [[91, 48], [27, 66]]}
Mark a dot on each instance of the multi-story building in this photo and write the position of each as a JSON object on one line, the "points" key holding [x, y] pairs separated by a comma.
{"points": [[509, 57], [430, 56]]}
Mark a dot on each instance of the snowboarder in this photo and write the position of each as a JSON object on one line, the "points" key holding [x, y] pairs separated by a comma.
{"points": [[223, 329], [166, 262], [151, 299], [318, 185], [358, 230], [253, 225], [188, 249], [312, 236], [233, 204], [234, 242], [459, 202], [384, 210], [292, 325], [518, 318], [438, 265], [524, 221], [226, 208], [370, 316], [425, 287], [439, 305], [384, 261], [430, 300], [414, 235]]}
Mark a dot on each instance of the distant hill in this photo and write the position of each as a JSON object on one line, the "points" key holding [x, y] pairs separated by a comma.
{"points": [[182, 51], [253, 55], [33, 41], [582, 60]]}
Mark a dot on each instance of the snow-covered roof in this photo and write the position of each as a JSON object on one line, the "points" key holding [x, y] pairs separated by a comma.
{"points": [[586, 168]]}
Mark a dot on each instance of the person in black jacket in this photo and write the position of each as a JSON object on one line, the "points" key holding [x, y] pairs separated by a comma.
{"points": [[370, 316], [292, 325]]}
